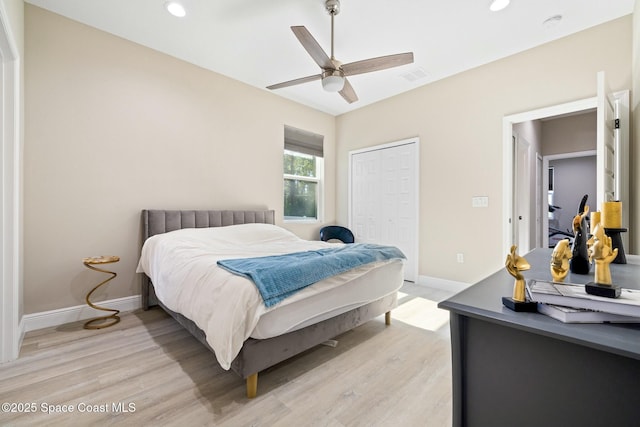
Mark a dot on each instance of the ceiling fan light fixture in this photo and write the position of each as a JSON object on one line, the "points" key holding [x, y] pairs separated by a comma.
{"points": [[497, 5], [332, 81], [175, 8]]}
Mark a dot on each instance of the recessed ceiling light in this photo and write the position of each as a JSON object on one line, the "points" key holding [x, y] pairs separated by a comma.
{"points": [[497, 5], [175, 8]]}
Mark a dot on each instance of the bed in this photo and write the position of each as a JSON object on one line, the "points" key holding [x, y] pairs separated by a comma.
{"points": [[268, 335]]}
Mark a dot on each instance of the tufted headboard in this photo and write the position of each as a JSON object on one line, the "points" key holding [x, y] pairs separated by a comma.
{"points": [[158, 221]]}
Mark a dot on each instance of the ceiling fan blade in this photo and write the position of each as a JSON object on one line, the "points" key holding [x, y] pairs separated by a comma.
{"points": [[311, 45], [295, 82], [376, 64], [348, 93]]}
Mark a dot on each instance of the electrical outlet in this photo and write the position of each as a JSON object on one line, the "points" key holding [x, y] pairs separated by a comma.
{"points": [[460, 258]]}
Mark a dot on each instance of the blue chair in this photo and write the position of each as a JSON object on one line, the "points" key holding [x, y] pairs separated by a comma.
{"points": [[336, 232]]}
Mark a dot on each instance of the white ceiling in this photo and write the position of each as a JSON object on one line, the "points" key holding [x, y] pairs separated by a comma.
{"points": [[251, 40]]}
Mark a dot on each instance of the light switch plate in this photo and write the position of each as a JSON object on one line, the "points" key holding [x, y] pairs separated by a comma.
{"points": [[480, 202]]}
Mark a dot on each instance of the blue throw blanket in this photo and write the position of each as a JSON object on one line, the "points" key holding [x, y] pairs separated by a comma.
{"points": [[280, 276]]}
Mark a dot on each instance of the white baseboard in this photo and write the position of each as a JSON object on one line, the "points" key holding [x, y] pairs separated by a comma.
{"points": [[633, 259], [47, 319], [21, 331], [444, 284]]}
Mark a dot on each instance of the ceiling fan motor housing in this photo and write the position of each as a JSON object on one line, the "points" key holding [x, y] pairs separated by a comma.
{"points": [[332, 6]]}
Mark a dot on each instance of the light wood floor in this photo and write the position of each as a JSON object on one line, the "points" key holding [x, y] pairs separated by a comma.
{"points": [[398, 375]]}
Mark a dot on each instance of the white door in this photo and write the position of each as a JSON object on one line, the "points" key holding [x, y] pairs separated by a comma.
{"points": [[521, 206], [365, 215], [612, 174], [606, 163], [384, 198]]}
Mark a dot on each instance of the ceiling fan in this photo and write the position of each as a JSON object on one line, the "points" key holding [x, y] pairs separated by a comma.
{"points": [[334, 73]]}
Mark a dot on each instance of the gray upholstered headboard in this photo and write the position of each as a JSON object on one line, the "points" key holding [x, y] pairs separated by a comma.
{"points": [[157, 221]]}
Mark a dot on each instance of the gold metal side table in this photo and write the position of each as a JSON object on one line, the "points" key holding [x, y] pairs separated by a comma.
{"points": [[111, 319]]}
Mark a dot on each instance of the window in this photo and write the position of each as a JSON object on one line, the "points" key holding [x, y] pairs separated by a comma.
{"points": [[303, 171]]}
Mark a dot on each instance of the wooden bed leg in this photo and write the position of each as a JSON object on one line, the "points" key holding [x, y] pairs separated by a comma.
{"points": [[252, 385], [387, 318]]}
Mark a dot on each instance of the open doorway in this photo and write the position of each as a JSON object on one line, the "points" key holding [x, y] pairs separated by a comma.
{"points": [[530, 126], [530, 123], [569, 158], [572, 176], [561, 152], [566, 143]]}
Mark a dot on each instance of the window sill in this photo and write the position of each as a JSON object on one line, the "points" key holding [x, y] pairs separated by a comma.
{"points": [[301, 221]]}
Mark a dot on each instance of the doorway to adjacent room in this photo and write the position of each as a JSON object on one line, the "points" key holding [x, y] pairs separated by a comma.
{"points": [[612, 148]]}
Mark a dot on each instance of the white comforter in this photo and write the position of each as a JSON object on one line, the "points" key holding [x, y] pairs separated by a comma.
{"points": [[182, 266]]}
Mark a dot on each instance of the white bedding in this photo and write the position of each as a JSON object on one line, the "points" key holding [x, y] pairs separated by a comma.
{"points": [[182, 267]]}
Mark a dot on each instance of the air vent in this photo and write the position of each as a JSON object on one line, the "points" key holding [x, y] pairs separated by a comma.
{"points": [[552, 21], [415, 75]]}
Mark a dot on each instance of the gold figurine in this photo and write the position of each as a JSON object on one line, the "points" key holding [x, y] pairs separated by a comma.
{"points": [[602, 254], [514, 265], [560, 260]]}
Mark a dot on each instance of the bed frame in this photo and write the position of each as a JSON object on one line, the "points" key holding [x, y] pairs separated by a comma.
{"points": [[255, 355]]}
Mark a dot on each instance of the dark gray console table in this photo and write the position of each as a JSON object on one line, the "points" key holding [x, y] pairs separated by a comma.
{"points": [[527, 369]]}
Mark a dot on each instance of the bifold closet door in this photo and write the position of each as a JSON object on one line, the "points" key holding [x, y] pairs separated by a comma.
{"points": [[384, 199]]}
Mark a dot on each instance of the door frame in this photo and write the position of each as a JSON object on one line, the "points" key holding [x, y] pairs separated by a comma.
{"points": [[416, 165], [507, 155], [11, 331], [539, 213], [623, 100]]}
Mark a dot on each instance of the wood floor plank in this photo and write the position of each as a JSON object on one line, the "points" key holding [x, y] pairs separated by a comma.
{"points": [[148, 370]]}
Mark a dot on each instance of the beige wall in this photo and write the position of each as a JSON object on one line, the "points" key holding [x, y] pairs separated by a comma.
{"points": [[569, 134], [113, 128], [459, 122], [572, 134]]}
